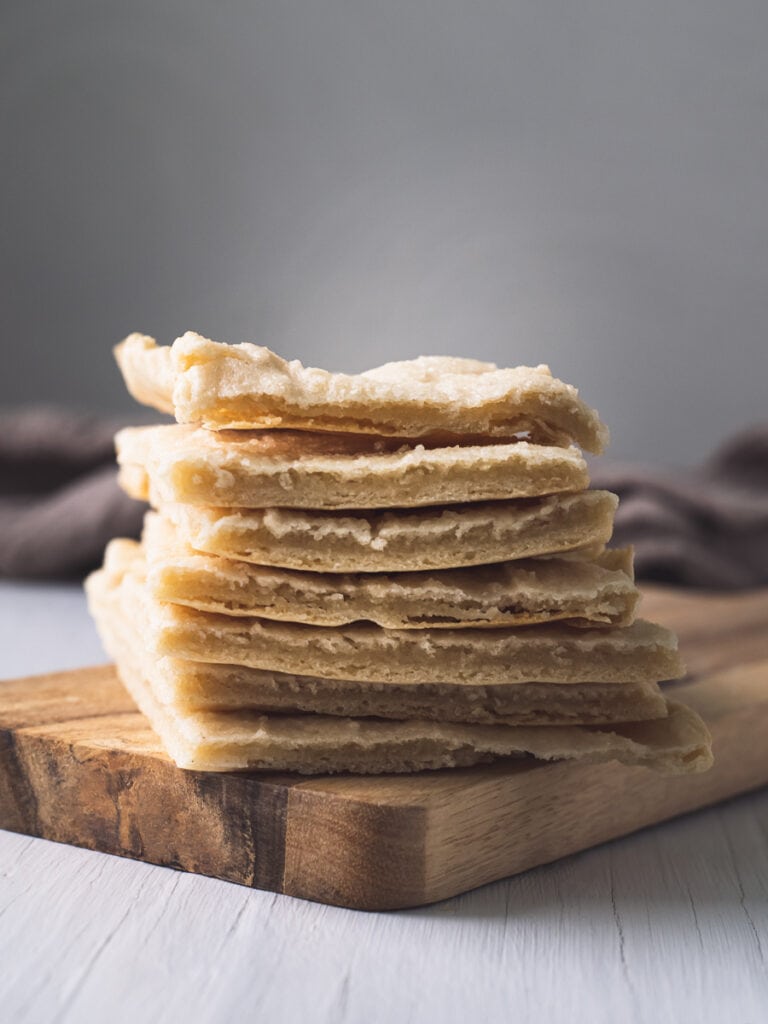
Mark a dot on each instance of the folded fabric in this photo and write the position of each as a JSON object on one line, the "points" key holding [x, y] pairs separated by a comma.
{"points": [[59, 499], [704, 527]]}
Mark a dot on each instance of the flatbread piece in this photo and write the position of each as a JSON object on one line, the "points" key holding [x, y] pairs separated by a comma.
{"points": [[249, 387]]}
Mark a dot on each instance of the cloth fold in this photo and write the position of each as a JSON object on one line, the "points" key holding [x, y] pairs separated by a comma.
{"points": [[60, 504], [59, 499], [701, 527]]}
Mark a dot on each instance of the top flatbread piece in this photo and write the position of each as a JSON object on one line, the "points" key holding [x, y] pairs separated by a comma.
{"points": [[245, 387]]}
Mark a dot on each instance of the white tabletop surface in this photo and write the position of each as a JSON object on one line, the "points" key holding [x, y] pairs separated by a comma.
{"points": [[668, 925]]}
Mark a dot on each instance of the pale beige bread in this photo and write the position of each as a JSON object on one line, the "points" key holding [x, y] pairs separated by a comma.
{"points": [[642, 652], [583, 593], [401, 539], [135, 482], [194, 686], [292, 469], [314, 744], [190, 685], [248, 386], [615, 559], [553, 653]]}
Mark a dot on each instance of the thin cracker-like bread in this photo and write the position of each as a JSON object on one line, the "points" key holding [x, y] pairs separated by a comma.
{"points": [[199, 686], [316, 744], [249, 387], [642, 652], [583, 593], [401, 539], [190, 685], [247, 469]]}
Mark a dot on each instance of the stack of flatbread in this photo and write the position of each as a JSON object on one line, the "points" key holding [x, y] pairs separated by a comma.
{"points": [[384, 572]]}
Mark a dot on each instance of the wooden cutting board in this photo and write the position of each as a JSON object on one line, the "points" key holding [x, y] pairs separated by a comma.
{"points": [[79, 765]]}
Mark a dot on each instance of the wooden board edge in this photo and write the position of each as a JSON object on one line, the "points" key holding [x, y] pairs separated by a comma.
{"points": [[143, 808], [561, 809], [352, 853]]}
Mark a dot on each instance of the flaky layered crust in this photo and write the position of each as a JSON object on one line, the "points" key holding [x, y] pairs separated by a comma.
{"points": [[398, 540], [248, 386], [291, 469], [200, 686], [642, 652], [310, 744], [581, 592]]}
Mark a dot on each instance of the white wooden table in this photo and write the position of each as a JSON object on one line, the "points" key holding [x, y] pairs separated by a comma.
{"points": [[670, 925]]}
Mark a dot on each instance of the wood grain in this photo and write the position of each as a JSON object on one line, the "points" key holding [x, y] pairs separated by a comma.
{"points": [[79, 765]]}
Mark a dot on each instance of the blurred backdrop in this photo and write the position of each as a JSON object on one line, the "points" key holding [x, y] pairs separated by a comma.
{"points": [[350, 181]]}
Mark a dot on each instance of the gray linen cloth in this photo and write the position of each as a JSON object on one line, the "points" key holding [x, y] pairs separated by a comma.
{"points": [[59, 499], [701, 527]]}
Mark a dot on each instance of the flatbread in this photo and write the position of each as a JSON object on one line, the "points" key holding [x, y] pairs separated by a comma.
{"points": [[402, 539], [191, 685], [642, 652], [198, 686], [522, 593], [317, 744], [249, 387], [252, 469]]}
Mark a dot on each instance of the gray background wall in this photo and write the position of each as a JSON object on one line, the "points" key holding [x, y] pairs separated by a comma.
{"points": [[582, 183]]}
